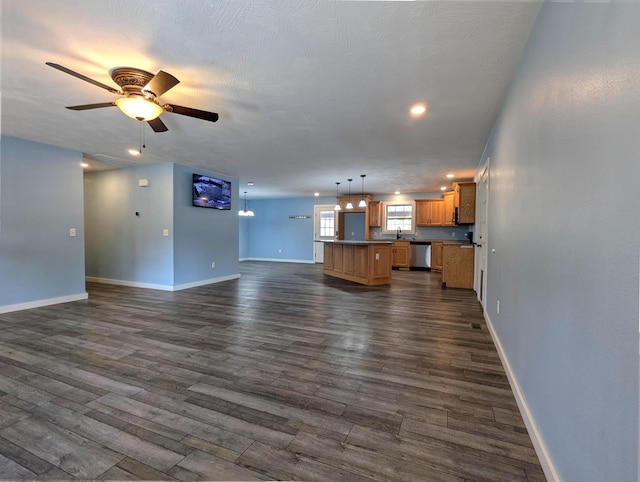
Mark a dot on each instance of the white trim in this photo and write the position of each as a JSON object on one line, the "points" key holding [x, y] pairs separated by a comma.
{"points": [[40, 303], [540, 447], [279, 260], [152, 286], [131, 284], [205, 282]]}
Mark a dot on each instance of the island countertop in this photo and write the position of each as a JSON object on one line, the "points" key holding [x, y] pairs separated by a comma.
{"points": [[352, 241]]}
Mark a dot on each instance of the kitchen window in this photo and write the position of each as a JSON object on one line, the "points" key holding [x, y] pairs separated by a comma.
{"points": [[398, 216]]}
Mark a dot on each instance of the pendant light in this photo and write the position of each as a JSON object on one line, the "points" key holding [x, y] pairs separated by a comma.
{"points": [[349, 204], [362, 203], [245, 212], [337, 208]]}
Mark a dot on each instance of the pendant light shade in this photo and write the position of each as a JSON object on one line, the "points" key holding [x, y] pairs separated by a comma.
{"points": [[337, 208], [349, 204], [362, 203], [245, 211]]}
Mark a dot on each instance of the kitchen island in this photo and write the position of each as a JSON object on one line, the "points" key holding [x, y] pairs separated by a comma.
{"points": [[364, 262]]}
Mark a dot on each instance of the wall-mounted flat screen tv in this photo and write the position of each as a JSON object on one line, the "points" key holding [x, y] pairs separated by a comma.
{"points": [[209, 192]]}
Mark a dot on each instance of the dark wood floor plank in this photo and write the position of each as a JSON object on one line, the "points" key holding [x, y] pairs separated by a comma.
{"points": [[209, 467], [60, 447], [282, 374]]}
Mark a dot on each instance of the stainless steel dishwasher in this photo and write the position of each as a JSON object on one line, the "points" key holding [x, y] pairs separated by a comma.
{"points": [[420, 255]]}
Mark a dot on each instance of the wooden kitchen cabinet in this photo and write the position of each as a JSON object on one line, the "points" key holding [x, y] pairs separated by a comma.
{"points": [[401, 254], [436, 256], [375, 215], [448, 218], [457, 265], [465, 201], [429, 212]]}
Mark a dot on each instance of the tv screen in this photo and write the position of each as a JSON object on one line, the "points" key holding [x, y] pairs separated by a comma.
{"points": [[209, 192]]}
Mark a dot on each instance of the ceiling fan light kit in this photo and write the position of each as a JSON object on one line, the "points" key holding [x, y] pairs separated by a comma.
{"points": [[139, 108]]}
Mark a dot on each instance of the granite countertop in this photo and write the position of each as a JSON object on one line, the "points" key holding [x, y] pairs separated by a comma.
{"points": [[423, 240], [349, 241]]}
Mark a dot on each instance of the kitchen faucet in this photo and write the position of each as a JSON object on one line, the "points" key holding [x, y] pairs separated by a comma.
{"points": [[398, 231]]}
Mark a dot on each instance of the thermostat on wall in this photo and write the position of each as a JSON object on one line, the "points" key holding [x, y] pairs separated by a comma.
{"points": [[143, 182]]}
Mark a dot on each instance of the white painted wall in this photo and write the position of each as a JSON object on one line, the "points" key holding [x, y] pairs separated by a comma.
{"points": [[564, 218]]}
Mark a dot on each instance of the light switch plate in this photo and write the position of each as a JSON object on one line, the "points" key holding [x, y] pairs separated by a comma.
{"points": [[165, 232], [72, 232]]}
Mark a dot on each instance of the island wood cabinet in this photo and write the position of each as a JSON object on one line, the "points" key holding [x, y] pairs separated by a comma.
{"points": [[465, 202], [448, 216], [436, 256], [457, 265], [429, 212], [361, 262], [375, 214], [401, 254]]}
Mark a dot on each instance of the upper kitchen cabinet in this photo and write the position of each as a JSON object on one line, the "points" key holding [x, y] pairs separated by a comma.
{"points": [[449, 213], [375, 215], [429, 212], [465, 202]]}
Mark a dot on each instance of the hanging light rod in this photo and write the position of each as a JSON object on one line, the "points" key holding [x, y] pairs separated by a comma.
{"points": [[245, 211], [362, 203], [337, 207], [349, 204]]}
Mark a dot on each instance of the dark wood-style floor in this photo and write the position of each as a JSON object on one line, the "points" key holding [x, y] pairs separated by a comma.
{"points": [[282, 374]]}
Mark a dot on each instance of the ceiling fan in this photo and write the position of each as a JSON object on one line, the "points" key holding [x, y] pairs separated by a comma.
{"points": [[140, 91]]}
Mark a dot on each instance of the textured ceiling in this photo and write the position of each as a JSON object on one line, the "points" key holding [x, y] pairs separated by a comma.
{"points": [[308, 92]]}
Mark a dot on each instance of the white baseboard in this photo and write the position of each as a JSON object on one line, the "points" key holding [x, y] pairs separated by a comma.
{"points": [[131, 284], [536, 438], [280, 260], [152, 286], [40, 303], [205, 282]]}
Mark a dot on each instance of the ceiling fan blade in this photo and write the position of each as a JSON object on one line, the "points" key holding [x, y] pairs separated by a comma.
{"points": [[83, 77], [188, 111], [160, 83], [91, 106], [157, 125]]}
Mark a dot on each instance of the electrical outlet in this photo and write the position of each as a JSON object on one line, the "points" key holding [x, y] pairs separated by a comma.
{"points": [[165, 232], [213, 264], [453, 234], [498, 307], [72, 232], [279, 251]]}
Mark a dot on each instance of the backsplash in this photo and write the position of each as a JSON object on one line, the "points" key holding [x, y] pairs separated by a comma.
{"points": [[432, 232]]}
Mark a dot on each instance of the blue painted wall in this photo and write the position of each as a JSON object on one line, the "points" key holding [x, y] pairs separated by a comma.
{"points": [[244, 227], [120, 245], [354, 226], [272, 235], [40, 199], [203, 235], [563, 221]]}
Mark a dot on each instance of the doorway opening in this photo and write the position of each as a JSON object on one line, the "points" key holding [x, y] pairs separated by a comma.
{"points": [[324, 229]]}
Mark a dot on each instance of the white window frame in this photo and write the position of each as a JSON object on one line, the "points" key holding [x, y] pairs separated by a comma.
{"points": [[398, 203]]}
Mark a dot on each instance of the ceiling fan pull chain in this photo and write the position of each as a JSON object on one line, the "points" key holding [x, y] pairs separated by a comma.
{"points": [[140, 144]]}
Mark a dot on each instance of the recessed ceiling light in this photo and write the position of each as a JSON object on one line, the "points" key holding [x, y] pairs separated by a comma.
{"points": [[450, 176], [418, 109], [443, 188], [397, 192], [250, 183], [84, 164], [134, 152], [316, 194]]}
